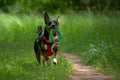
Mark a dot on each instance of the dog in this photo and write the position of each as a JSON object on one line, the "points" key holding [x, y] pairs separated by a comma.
{"points": [[43, 47]]}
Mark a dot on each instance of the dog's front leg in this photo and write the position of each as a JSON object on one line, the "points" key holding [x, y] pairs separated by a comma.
{"points": [[56, 53]]}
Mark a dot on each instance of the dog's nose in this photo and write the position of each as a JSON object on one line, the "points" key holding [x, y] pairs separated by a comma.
{"points": [[53, 25]]}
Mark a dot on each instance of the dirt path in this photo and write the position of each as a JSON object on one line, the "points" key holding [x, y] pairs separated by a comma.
{"points": [[83, 72]]}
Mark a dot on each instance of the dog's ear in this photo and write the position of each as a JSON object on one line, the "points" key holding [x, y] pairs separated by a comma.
{"points": [[46, 17], [58, 19]]}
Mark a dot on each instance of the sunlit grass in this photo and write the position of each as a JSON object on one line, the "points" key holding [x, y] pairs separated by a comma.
{"points": [[18, 27]]}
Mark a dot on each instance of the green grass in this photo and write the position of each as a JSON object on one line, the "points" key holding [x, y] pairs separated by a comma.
{"points": [[18, 62], [17, 57], [94, 37]]}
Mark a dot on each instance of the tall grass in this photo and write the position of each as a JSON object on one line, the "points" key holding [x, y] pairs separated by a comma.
{"points": [[95, 37], [18, 27]]}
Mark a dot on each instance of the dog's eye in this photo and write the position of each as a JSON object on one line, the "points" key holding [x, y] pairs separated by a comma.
{"points": [[56, 23], [49, 23]]}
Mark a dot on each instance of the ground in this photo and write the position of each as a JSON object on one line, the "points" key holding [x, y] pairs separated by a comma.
{"points": [[83, 72]]}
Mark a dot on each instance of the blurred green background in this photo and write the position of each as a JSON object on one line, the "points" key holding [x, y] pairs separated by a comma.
{"points": [[35, 6], [90, 29]]}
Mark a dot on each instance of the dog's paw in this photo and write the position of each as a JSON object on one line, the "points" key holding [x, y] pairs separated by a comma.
{"points": [[54, 61]]}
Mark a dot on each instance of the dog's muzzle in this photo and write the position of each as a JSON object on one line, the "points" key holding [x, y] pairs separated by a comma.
{"points": [[53, 26]]}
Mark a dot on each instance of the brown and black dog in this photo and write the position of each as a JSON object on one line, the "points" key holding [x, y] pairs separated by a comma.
{"points": [[43, 47]]}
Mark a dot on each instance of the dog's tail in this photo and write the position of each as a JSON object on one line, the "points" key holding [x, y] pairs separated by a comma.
{"points": [[39, 30]]}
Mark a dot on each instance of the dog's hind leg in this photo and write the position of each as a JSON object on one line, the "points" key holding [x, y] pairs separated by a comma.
{"points": [[38, 56], [46, 59]]}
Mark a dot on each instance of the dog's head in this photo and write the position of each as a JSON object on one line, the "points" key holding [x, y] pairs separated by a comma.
{"points": [[49, 23]]}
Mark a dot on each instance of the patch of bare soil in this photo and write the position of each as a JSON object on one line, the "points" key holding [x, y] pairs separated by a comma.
{"points": [[83, 72]]}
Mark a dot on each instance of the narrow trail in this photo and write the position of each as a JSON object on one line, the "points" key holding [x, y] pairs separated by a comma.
{"points": [[83, 72]]}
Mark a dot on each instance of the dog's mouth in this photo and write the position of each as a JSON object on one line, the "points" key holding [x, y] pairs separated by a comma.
{"points": [[54, 32]]}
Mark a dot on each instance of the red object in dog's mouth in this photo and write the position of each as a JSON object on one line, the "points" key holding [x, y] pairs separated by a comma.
{"points": [[56, 38]]}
